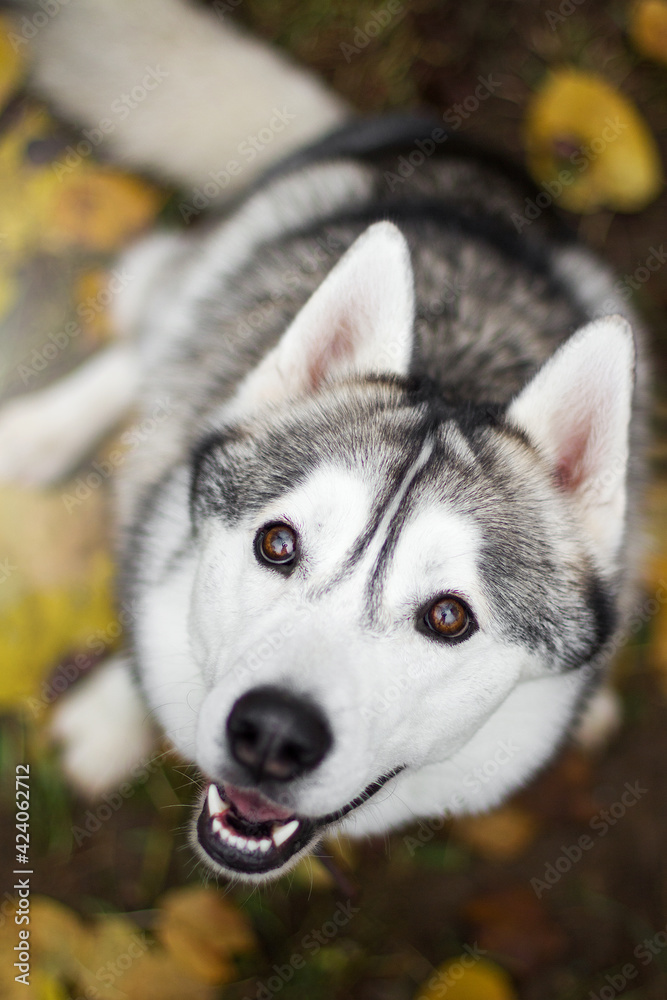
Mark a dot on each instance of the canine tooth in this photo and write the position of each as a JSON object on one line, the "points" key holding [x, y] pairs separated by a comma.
{"points": [[217, 826], [265, 844], [226, 835], [282, 833], [215, 804]]}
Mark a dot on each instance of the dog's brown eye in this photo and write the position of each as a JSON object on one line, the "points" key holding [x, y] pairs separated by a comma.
{"points": [[448, 617], [277, 544]]}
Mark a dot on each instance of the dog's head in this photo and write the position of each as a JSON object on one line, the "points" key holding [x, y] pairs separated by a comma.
{"points": [[377, 587]]}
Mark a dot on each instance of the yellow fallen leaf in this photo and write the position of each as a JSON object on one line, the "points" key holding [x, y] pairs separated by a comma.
{"points": [[468, 978], [42, 986], [56, 583], [48, 988], [203, 931], [11, 63], [56, 933], [647, 28], [113, 946], [101, 209], [501, 835], [54, 927], [158, 976], [52, 537], [52, 206], [39, 627], [109, 958], [589, 147], [27, 193]]}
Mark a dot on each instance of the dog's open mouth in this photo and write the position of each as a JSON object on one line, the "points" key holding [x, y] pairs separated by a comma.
{"points": [[244, 833], [240, 833]]}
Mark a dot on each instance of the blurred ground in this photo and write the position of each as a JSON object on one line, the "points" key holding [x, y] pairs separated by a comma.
{"points": [[551, 918]]}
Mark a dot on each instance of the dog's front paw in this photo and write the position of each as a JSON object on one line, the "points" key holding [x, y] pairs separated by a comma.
{"points": [[103, 730]]}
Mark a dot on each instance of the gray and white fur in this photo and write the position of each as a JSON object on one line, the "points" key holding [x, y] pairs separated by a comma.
{"points": [[433, 405]]}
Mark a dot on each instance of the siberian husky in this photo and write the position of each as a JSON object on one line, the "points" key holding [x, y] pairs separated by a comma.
{"points": [[384, 529]]}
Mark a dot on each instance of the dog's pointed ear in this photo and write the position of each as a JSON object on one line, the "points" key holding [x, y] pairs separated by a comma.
{"points": [[359, 321], [576, 411]]}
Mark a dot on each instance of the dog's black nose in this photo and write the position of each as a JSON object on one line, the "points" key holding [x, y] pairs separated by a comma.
{"points": [[276, 735]]}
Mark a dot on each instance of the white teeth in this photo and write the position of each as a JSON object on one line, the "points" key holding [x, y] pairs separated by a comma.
{"points": [[217, 807], [282, 833], [235, 841], [215, 804]]}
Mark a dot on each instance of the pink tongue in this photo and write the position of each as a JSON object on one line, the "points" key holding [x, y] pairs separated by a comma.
{"points": [[254, 807]]}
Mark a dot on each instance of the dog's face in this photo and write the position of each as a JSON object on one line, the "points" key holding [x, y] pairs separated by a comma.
{"points": [[377, 581]]}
